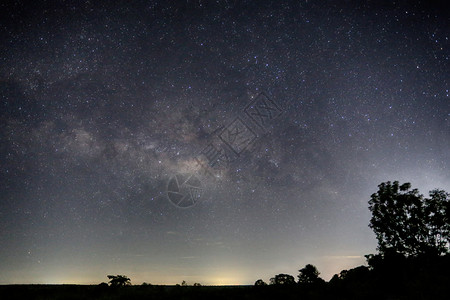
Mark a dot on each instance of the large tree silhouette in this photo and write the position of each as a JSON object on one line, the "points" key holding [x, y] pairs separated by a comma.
{"points": [[407, 223], [308, 275]]}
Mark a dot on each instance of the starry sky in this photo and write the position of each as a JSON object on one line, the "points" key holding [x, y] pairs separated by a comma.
{"points": [[211, 141]]}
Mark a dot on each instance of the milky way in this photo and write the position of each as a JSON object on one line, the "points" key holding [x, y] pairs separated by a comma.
{"points": [[298, 110]]}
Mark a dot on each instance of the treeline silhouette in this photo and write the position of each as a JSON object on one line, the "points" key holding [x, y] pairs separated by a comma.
{"points": [[413, 262]]}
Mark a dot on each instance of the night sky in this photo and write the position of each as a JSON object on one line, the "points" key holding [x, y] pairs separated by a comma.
{"points": [[211, 141]]}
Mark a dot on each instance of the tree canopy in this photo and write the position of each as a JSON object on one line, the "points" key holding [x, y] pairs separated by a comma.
{"points": [[406, 222], [309, 274]]}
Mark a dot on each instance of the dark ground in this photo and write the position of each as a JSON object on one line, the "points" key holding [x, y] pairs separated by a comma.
{"points": [[327, 291]]}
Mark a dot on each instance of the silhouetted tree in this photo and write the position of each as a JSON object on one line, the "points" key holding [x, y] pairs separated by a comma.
{"points": [[184, 283], [355, 284], [118, 280], [407, 223], [309, 274], [354, 274], [282, 279], [437, 213], [335, 279], [260, 282], [197, 284]]}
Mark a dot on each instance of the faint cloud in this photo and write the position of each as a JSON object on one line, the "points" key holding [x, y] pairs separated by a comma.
{"points": [[172, 233]]}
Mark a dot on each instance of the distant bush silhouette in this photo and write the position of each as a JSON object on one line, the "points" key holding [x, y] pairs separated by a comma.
{"points": [[282, 279], [118, 280], [260, 282]]}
